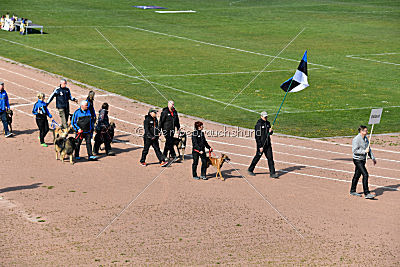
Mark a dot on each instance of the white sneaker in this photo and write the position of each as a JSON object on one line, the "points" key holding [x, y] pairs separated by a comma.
{"points": [[8, 135]]}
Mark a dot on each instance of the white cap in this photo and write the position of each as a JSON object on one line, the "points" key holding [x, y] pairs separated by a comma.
{"points": [[264, 114]]}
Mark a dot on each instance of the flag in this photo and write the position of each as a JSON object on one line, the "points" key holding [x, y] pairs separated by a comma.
{"points": [[299, 81]]}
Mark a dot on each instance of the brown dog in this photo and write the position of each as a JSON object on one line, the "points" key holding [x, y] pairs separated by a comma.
{"points": [[217, 163], [60, 132], [65, 147]]}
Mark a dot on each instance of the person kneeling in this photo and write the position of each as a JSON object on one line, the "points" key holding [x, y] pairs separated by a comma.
{"points": [[82, 123], [151, 135], [103, 134], [199, 144]]}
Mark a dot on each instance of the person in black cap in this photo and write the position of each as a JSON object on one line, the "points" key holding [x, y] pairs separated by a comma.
{"points": [[151, 136], [263, 132]]}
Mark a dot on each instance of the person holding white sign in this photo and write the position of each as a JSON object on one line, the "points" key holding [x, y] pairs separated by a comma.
{"points": [[361, 149]]}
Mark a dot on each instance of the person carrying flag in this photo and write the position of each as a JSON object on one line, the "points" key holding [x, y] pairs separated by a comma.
{"points": [[263, 132], [41, 112]]}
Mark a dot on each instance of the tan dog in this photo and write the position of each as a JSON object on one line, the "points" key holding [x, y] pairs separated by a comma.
{"points": [[65, 147], [217, 163]]}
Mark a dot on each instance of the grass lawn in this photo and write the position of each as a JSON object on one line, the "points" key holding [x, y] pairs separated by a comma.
{"points": [[200, 70]]}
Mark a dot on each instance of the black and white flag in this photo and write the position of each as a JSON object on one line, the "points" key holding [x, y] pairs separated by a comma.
{"points": [[300, 79]]}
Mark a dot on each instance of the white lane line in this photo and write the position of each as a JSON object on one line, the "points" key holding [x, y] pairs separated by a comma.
{"points": [[320, 177], [296, 155], [246, 138], [222, 46], [22, 105], [126, 75], [23, 112], [277, 143], [373, 60], [291, 163]]}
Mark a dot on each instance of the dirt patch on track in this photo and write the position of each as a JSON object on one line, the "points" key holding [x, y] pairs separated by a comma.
{"points": [[178, 220]]}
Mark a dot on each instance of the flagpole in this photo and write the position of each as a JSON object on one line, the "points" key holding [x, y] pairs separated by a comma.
{"points": [[276, 116]]}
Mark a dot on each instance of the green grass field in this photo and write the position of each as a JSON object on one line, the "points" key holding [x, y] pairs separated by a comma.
{"points": [[336, 102]]}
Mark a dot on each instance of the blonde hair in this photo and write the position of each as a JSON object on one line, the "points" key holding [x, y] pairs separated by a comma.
{"points": [[40, 96]]}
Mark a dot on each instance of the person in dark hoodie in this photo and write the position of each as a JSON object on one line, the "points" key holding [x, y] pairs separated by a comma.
{"points": [[63, 96], [169, 121], [151, 136], [90, 100], [41, 112], [82, 124], [103, 132], [4, 106], [199, 144], [263, 132]]}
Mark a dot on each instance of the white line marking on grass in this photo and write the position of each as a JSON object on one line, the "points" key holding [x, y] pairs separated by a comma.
{"points": [[266, 200], [127, 75], [373, 60], [266, 66], [219, 73], [222, 46], [130, 63]]}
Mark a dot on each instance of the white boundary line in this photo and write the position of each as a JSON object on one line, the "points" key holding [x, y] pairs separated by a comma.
{"points": [[373, 60], [221, 46], [139, 125], [189, 116], [303, 174], [127, 75]]}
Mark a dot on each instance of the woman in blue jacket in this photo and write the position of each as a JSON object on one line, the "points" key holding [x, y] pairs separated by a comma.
{"points": [[41, 112]]}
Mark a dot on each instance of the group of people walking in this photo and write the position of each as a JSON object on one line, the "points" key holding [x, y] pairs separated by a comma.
{"points": [[84, 118]]}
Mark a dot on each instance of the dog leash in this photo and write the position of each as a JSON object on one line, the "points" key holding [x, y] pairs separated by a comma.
{"points": [[54, 124]]}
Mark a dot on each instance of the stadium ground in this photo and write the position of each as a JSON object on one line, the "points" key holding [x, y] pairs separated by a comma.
{"points": [[52, 212]]}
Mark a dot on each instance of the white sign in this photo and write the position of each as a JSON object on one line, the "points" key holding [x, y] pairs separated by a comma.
{"points": [[375, 116]]}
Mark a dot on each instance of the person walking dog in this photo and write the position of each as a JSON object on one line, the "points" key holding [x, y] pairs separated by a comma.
{"points": [[103, 134], [199, 144], [4, 106], [82, 124], [263, 132], [361, 148], [63, 96], [41, 112], [169, 121], [150, 137]]}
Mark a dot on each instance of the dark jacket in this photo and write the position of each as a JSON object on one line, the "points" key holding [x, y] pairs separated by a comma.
{"points": [[199, 142], [40, 109], [169, 120], [103, 121], [82, 120], [91, 108], [63, 95], [261, 131], [150, 127]]}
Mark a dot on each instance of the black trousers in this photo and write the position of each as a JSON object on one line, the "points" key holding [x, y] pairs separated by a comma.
{"points": [[102, 138], [268, 154], [43, 125], [154, 143], [196, 156], [87, 137], [360, 169], [169, 144]]}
